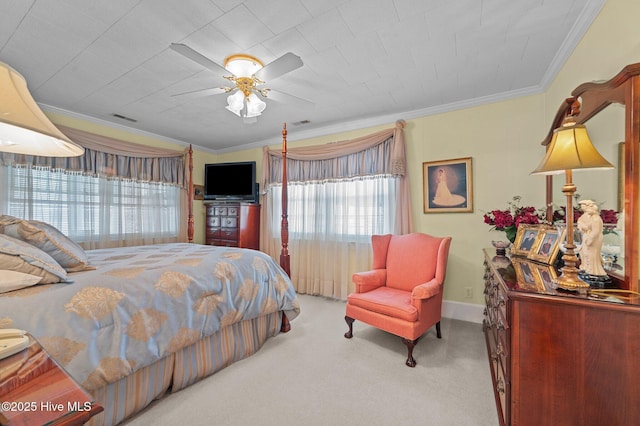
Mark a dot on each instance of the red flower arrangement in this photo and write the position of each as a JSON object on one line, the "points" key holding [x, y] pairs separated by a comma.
{"points": [[609, 217], [508, 220]]}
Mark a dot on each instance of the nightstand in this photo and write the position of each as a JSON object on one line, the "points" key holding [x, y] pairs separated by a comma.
{"points": [[35, 390]]}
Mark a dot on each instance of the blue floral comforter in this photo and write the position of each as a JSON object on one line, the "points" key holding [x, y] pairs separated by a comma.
{"points": [[142, 303]]}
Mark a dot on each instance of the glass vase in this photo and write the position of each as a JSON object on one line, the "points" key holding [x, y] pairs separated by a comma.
{"points": [[611, 246], [501, 247]]}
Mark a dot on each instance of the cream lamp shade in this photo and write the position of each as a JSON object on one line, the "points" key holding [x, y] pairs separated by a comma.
{"points": [[570, 149], [24, 129]]}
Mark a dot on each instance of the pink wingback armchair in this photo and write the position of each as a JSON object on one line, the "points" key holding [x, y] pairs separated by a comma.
{"points": [[402, 294]]}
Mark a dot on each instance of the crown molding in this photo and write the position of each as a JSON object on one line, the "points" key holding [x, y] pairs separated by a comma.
{"points": [[294, 135], [574, 36], [102, 122]]}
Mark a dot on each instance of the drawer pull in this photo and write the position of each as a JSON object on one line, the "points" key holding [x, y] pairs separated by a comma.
{"points": [[498, 353]]}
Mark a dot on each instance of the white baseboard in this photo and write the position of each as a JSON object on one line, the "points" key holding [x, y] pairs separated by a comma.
{"points": [[462, 311]]}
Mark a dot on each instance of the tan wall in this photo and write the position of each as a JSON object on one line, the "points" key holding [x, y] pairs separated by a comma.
{"points": [[503, 140]]}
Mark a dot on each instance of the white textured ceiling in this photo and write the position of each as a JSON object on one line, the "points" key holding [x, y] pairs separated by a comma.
{"points": [[366, 62]]}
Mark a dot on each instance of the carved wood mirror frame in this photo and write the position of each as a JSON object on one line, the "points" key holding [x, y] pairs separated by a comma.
{"points": [[623, 89]]}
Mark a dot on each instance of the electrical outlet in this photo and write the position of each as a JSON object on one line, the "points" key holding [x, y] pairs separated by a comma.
{"points": [[468, 292]]}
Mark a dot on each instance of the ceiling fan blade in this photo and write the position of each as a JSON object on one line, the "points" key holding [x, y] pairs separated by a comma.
{"points": [[188, 52], [284, 64], [200, 93], [278, 96]]}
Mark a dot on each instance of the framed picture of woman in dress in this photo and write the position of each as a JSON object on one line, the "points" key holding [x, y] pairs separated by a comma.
{"points": [[447, 186], [546, 247]]}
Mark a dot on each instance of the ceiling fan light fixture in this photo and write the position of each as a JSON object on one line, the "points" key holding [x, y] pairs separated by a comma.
{"points": [[248, 74], [254, 106], [242, 65], [235, 103]]}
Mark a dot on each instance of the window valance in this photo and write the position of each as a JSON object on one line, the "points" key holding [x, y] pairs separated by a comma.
{"points": [[110, 157], [379, 153]]}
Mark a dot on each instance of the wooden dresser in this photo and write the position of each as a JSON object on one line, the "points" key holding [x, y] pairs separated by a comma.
{"points": [[233, 225], [558, 358]]}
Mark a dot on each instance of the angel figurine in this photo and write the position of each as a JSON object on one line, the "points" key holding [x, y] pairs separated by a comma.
{"points": [[590, 226]]}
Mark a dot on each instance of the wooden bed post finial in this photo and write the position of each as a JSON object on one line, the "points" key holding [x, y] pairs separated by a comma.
{"points": [[284, 225], [284, 137]]}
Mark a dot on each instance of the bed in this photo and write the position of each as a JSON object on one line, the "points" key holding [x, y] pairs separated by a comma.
{"points": [[133, 323]]}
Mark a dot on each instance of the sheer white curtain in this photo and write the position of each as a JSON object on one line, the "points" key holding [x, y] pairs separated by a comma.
{"points": [[330, 228], [94, 211], [338, 196], [111, 198]]}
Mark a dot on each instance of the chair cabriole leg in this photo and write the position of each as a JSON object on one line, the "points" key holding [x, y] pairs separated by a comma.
{"points": [[438, 332], [410, 345], [349, 320]]}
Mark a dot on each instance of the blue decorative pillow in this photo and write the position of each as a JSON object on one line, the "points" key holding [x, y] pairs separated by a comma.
{"points": [[16, 255], [48, 239]]}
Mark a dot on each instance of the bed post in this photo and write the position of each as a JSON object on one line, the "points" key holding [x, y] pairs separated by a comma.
{"points": [[190, 229], [284, 225], [285, 326]]}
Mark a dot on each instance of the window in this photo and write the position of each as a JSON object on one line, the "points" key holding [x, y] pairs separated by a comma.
{"points": [[90, 208], [344, 210]]}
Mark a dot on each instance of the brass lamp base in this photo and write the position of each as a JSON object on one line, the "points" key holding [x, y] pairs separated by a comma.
{"points": [[569, 280], [596, 281]]}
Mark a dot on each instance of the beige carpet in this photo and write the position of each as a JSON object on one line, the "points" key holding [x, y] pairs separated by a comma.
{"points": [[314, 376]]}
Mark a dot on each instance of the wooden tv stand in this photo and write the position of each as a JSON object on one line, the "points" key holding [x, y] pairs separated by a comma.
{"points": [[233, 224]]}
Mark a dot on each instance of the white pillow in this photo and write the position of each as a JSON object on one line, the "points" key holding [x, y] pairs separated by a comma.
{"points": [[14, 280]]}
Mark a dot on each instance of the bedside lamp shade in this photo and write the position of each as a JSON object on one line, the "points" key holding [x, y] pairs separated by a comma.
{"points": [[24, 129]]}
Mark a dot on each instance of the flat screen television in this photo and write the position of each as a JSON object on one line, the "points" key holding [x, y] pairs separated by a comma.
{"points": [[230, 181]]}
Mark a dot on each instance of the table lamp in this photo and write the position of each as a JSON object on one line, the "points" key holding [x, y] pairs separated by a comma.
{"points": [[570, 149], [24, 128]]}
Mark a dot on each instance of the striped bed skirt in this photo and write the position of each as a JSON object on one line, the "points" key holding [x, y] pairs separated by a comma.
{"points": [[133, 393]]}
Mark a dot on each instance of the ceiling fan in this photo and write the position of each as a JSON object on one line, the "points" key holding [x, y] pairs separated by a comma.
{"points": [[248, 74]]}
